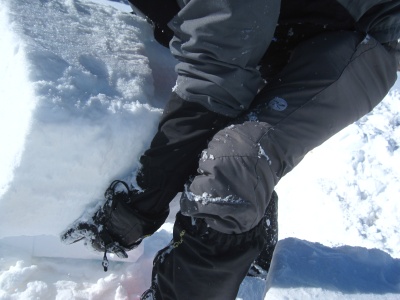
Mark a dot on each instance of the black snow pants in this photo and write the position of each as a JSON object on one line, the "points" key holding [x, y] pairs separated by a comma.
{"points": [[324, 81], [330, 81]]}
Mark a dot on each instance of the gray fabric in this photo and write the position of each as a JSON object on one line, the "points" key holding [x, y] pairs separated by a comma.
{"points": [[296, 112], [383, 24], [219, 45], [182, 3], [357, 8], [235, 173]]}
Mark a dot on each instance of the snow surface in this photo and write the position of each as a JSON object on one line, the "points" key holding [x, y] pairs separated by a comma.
{"points": [[83, 85]]}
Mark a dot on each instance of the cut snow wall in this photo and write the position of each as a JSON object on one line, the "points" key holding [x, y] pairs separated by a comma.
{"points": [[17, 99], [75, 117]]}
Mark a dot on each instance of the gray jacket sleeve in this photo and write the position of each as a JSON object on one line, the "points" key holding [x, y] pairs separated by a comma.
{"points": [[219, 44]]}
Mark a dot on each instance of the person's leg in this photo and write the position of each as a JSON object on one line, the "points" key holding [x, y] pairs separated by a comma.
{"points": [[331, 81], [188, 269], [218, 45], [183, 132], [211, 66], [260, 267], [130, 213]]}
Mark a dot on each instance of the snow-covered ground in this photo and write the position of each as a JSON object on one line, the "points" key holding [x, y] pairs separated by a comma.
{"points": [[82, 87]]}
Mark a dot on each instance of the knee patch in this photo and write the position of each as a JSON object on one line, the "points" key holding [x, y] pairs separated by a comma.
{"points": [[235, 180]]}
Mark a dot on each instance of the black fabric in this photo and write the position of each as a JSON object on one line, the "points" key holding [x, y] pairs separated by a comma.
{"points": [[382, 22], [201, 263], [261, 265], [328, 13], [158, 13], [127, 226], [116, 227], [394, 49], [331, 81], [379, 18], [299, 21], [235, 180], [183, 133]]}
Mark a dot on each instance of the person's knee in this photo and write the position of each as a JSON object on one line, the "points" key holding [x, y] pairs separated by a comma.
{"points": [[235, 180]]}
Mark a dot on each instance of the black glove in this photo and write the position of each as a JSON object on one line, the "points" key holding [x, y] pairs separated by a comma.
{"points": [[116, 227]]}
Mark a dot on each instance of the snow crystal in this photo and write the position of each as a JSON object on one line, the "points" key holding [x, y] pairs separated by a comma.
{"points": [[261, 153], [206, 198]]}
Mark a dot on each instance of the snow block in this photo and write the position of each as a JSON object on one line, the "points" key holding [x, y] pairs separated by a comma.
{"points": [[305, 270], [74, 113], [252, 288]]}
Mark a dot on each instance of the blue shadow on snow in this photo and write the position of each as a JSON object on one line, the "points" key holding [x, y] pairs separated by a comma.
{"points": [[346, 269]]}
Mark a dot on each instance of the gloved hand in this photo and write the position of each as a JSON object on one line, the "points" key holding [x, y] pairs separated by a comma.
{"points": [[116, 227]]}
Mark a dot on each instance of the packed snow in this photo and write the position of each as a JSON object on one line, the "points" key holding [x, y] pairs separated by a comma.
{"points": [[83, 84]]}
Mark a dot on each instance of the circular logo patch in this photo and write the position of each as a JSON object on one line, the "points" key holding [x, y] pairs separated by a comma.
{"points": [[278, 104]]}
